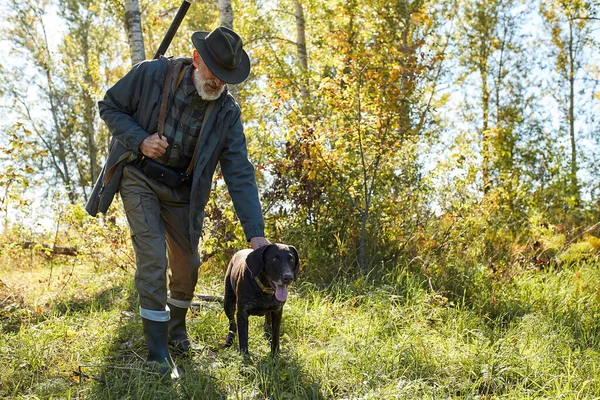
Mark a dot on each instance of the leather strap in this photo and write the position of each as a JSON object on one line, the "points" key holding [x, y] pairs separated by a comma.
{"points": [[180, 77], [162, 116]]}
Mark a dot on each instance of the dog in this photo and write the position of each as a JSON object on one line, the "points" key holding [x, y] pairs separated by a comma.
{"points": [[256, 283]]}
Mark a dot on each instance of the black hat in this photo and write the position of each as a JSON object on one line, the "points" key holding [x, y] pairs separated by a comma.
{"points": [[222, 53]]}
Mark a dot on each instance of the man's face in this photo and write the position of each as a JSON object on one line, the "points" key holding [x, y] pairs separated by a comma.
{"points": [[209, 87]]}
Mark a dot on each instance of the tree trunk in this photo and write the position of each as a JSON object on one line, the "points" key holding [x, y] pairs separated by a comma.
{"points": [[226, 20], [573, 173], [485, 142], [89, 115], [302, 53], [225, 13], [60, 141], [133, 27]]}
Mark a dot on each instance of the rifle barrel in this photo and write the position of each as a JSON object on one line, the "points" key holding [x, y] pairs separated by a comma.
{"points": [[164, 45]]}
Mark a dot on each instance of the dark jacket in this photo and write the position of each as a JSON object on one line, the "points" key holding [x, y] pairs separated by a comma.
{"points": [[130, 110]]}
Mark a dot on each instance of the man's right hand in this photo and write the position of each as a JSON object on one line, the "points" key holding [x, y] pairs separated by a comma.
{"points": [[154, 146]]}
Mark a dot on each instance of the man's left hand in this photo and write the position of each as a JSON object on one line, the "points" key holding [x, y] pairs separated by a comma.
{"points": [[259, 241]]}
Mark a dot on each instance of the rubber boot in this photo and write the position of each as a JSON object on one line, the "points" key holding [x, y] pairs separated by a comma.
{"points": [[156, 334], [178, 337]]}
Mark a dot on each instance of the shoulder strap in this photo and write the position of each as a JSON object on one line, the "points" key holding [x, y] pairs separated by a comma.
{"points": [[180, 76], [164, 100], [169, 83]]}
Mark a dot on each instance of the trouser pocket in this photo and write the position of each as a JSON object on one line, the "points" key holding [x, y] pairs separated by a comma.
{"points": [[136, 215]]}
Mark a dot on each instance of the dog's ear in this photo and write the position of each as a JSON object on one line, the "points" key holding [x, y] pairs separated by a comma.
{"points": [[297, 265], [255, 261]]}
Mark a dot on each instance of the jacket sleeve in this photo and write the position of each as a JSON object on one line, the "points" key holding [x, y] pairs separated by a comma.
{"points": [[120, 104], [239, 176]]}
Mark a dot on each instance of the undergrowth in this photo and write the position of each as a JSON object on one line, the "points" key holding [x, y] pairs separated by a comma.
{"points": [[70, 329]]}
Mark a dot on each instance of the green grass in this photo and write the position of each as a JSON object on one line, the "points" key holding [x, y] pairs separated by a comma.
{"points": [[457, 333]]}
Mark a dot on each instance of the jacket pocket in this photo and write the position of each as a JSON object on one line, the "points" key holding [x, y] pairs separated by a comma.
{"points": [[136, 215]]}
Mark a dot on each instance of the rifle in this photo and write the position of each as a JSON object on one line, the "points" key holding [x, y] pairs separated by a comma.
{"points": [[164, 45]]}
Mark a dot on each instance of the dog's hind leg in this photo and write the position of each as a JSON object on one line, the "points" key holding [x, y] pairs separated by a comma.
{"points": [[229, 303], [242, 322]]}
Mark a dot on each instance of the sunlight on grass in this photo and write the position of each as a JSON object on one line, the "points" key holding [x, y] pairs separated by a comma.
{"points": [[535, 336]]}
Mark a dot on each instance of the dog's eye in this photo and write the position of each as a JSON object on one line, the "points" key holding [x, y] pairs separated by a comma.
{"points": [[275, 259], [291, 259]]}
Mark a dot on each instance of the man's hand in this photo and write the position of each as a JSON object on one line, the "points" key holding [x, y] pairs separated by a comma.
{"points": [[154, 146], [258, 241]]}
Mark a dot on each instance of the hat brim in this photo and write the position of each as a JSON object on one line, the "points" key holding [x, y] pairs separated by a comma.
{"points": [[234, 76]]}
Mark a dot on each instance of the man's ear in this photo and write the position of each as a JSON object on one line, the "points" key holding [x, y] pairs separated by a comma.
{"points": [[297, 265], [196, 58], [255, 261]]}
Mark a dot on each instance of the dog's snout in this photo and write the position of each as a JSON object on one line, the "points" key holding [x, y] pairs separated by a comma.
{"points": [[287, 278]]}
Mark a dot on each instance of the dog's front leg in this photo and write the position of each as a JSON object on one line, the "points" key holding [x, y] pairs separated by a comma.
{"points": [[242, 328], [275, 324], [267, 327]]}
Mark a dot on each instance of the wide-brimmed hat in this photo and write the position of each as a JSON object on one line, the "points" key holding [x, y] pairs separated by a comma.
{"points": [[222, 53]]}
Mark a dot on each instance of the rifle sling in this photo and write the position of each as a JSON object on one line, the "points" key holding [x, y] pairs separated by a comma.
{"points": [[162, 116]]}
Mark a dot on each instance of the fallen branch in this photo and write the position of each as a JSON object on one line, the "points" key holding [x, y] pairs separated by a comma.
{"points": [[54, 250], [209, 298]]}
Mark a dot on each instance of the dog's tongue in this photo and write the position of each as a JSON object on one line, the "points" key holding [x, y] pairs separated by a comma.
{"points": [[281, 292]]}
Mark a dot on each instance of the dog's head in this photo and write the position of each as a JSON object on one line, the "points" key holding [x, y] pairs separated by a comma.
{"points": [[279, 262]]}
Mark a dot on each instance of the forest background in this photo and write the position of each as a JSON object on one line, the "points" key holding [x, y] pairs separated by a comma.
{"points": [[455, 142]]}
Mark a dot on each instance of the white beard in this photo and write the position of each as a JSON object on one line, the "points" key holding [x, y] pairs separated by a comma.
{"points": [[200, 83]]}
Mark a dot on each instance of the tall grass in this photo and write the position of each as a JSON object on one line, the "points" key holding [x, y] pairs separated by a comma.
{"points": [[455, 332]]}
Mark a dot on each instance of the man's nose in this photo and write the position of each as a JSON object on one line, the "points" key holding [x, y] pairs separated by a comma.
{"points": [[218, 82]]}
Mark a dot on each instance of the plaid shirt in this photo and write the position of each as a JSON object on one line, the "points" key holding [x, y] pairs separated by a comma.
{"points": [[183, 123]]}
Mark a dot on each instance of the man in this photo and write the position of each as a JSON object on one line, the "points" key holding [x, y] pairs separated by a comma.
{"points": [[199, 127]]}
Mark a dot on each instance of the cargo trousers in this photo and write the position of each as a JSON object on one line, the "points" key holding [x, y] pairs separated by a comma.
{"points": [[158, 217]]}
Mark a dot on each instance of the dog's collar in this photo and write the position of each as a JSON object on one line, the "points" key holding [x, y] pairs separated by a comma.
{"points": [[267, 290]]}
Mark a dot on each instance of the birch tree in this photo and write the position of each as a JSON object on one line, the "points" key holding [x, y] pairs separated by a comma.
{"points": [[570, 24], [133, 27], [225, 13], [301, 46], [29, 36]]}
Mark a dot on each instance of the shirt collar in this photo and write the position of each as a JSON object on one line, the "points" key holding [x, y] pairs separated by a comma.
{"points": [[187, 83]]}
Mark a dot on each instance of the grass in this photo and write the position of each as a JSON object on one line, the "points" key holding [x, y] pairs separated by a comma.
{"points": [[456, 333]]}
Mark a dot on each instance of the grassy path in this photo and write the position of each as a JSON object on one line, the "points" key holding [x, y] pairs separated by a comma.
{"points": [[536, 335]]}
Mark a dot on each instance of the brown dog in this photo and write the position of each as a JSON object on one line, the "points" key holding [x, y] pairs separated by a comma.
{"points": [[256, 283]]}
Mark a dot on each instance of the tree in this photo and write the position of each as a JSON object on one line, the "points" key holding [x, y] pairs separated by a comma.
{"points": [[350, 161], [66, 79], [226, 13], [29, 35], [133, 27], [570, 25]]}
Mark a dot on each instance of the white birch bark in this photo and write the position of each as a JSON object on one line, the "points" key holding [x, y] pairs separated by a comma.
{"points": [[226, 19], [225, 13], [301, 48], [133, 26]]}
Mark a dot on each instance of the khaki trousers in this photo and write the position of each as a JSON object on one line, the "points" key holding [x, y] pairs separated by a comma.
{"points": [[158, 218]]}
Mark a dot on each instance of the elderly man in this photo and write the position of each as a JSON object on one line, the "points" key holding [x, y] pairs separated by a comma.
{"points": [[172, 121]]}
